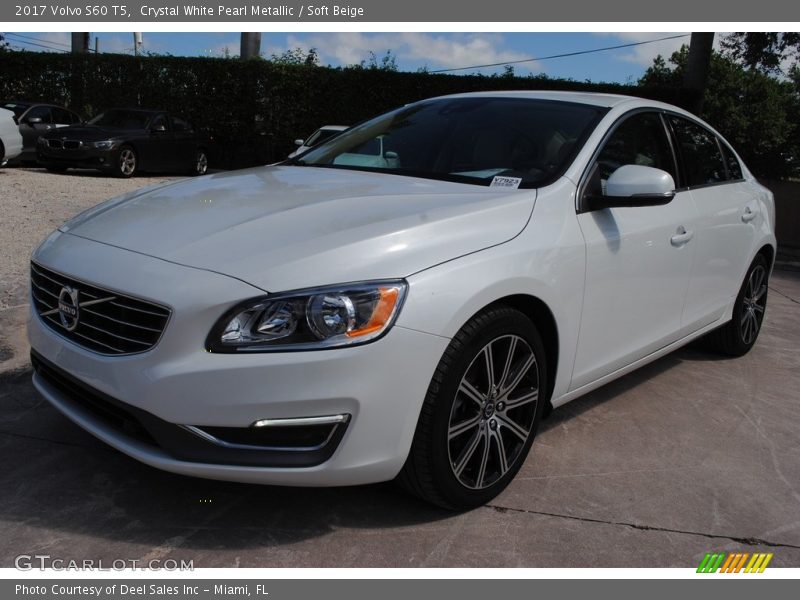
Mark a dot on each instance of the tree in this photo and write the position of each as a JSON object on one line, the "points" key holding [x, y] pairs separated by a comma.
{"points": [[764, 51], [4, 45], [387, 63], [758, 114], [298, 56]]}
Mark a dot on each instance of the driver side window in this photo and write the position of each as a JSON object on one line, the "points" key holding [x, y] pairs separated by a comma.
{"points": [[639, 140]]}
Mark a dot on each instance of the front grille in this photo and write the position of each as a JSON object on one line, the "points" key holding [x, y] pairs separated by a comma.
{"points": [[107, 322], [72, 144], [54, 143]]}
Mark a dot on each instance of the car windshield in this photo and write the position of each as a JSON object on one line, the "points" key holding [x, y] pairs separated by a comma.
{"points": [[122, 119], [470, 140], [319, 136], [16, 107]]}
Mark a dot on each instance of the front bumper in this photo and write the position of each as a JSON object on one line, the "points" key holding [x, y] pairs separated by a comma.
{"points": [[380, 386], [79, 158]]}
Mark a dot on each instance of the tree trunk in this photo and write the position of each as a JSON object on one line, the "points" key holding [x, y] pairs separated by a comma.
{"points": [[696, 77], [250, 46]]}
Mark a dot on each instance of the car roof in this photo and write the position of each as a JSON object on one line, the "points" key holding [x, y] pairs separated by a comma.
{"points": [[593, 98], [335, 127], [29, 104]]}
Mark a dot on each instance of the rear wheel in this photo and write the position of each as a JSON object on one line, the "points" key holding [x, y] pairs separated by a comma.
{"points": [[200, 163], [736, 337], [481, 412], [127, 162]]}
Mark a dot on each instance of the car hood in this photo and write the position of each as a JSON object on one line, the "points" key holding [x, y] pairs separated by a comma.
{"points": [[284, 227], [91, 133]]}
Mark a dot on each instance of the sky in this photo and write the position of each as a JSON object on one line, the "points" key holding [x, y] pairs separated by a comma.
{"points": [[413, 50]]}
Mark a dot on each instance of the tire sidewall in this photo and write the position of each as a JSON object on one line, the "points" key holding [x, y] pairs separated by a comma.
{"points": [[505, 322]]}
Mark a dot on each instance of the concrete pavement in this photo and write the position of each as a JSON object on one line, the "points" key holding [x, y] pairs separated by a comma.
{"points": [[690, 454]]}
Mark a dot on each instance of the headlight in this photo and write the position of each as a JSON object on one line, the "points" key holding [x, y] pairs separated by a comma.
{"points": [[312, 319], [103, 145]]}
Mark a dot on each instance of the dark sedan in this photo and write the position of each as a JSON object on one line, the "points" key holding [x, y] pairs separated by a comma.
{"points": [[123, 142], [36, 119]]}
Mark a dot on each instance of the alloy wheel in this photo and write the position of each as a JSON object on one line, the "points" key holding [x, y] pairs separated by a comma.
{"points": [[202, 163], [493, 412], [127, 161], [753, 304]]}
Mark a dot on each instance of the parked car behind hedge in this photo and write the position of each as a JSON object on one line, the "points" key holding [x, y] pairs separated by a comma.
{"points": [[123, 141]]}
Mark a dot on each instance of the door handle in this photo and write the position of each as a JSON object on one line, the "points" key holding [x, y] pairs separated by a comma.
{"points": [[681, 237], [748, 215]]}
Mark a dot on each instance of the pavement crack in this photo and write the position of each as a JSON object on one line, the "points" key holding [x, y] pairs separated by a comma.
{"points": [[42, 439], [780, 293], [747, 541]]}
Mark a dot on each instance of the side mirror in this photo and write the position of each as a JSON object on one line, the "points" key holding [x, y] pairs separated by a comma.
{"points": [[298, 142], [635, 185], [158, 128], [34, 120]]}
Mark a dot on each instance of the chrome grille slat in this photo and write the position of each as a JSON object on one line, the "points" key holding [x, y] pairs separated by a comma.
{"points": [[121, 337], [43, 303], [91, 312], [112, 323], [114, 303]]}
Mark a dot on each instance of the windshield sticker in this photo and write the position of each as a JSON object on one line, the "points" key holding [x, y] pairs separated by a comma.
{"points": [[509, 183]]}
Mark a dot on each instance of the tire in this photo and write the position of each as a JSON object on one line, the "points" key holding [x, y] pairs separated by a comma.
{"points": [[127, 162], [738, 335], [200, 163], [470, 441]]}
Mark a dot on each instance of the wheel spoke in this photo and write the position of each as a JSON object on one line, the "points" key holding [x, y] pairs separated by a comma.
{"points": [[758, 308], [467, 453], [519, 375], [484, 459], [512, 347], [513, 427], [532, 396], [470, 392], [501, 452], [760, 293], [488, 359], [463, 427]]}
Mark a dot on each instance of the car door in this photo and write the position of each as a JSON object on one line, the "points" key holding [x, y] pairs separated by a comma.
{"points": [[158, 151], [34, 123], [726, 215], [185, 144], [638, 259]]}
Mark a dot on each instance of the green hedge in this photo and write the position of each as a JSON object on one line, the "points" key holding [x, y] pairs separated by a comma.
{"points": [[254, 108]]}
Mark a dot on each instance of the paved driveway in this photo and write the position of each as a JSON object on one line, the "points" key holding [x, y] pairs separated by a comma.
{"points": [[690, 454]]}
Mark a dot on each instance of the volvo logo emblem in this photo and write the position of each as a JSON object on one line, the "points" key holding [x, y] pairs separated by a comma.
{"points": [[68, 308]]}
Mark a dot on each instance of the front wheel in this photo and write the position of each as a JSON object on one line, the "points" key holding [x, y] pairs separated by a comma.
{"points": [[127, 162], [736, 337], [480, 413]]}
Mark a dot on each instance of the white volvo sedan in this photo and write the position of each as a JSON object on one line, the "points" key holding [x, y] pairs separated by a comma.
{"points": [[406, 300]]}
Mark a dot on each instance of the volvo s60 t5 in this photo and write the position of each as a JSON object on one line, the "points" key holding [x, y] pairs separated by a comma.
{"points": [[347, 318]]}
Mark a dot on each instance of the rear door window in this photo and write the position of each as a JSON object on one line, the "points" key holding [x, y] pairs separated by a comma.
{"points": [[702, 159]]}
